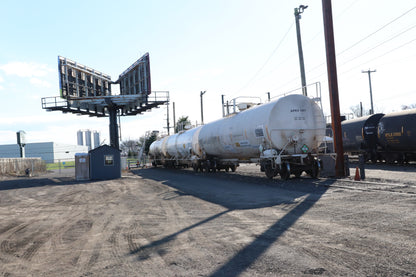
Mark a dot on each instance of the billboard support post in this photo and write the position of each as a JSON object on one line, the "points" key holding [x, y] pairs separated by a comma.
{"points": [[113, 127]]}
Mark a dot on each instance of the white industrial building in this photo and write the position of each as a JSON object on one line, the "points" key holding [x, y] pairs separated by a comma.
{"points": [[50, 152]]}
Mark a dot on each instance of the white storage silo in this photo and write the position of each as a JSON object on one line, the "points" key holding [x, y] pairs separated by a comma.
{"points": [[96, 136], [88, 139], [80, 138]]}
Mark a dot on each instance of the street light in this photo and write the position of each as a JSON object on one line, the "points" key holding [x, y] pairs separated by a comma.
{"points": [[202, 107], [298, 11]]}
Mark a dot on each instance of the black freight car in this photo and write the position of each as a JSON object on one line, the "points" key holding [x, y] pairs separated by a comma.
{"points": [[390, 138], [359, 135], [397, 137]]}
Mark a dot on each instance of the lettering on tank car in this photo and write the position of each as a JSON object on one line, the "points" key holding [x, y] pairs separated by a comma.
{"points": [[395, 134], [369, 130], [243, 143], [295, 110]]}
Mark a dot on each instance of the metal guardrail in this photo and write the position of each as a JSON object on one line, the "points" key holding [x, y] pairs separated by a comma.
{"points": [[53, 102], [95, 106]]}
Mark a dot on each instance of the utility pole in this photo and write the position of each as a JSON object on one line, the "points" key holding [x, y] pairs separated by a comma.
{"points": [[298, 11], [371, 92], [333, 87], [202, 107], [167, 118], [223, 103], [174, 118]]}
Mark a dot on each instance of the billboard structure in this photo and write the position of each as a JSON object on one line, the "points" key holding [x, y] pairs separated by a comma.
{"points": [[87, 91], [77, 80], [136, 79]]}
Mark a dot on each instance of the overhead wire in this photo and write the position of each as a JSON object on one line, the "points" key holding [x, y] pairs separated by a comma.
{"points": [[376, 31], [380, 44], [268, 59], [307, 42]]}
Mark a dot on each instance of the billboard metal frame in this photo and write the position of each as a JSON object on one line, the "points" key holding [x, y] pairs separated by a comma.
{"points": [[77, 80], [136, 78]]}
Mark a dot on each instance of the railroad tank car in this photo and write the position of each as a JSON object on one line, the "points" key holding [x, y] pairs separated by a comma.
{"points": [[397, 136], [283, 136], [359, 135]]}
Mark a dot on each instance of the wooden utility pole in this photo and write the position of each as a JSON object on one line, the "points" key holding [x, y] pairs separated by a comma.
{"points": [[333, 87], [371, 91]]}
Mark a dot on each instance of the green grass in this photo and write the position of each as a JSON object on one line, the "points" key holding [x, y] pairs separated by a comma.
{"points": [[54, 166]]}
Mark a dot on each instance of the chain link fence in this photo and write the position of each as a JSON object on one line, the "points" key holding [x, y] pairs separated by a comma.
{"points": [[21, 166]]}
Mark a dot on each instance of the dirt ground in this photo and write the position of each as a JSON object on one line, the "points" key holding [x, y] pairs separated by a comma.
{"points": [[158, 222]]}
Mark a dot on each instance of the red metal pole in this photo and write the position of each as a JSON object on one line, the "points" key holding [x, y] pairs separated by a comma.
{"points": [[333, 87]]}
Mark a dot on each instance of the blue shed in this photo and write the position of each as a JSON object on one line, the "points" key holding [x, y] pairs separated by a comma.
{"points": [[105, 163]]}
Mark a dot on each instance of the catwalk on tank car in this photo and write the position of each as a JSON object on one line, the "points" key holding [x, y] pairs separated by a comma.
{"points": [[282, 136]]}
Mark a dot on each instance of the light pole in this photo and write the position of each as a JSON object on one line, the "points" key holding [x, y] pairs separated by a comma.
{"points": [[202, 107], [298, 11], [371, 91]]}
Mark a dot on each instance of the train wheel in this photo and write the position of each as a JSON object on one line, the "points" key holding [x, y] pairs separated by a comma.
{"points": [[315, 170], [269, 171], [227, 168], [285, 171], [207, 166], [195, 167], [233, 168], [284, 174]]}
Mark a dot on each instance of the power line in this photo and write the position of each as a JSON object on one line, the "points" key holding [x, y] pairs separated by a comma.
{"points": [[268, 59], [378, 45], [386, 53], [382, 55], [376, 31]]}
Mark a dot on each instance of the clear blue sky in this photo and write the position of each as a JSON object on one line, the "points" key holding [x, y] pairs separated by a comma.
{"points": [[231, 47]]}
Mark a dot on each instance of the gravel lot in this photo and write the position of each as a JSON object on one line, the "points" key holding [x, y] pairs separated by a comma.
{"points": [[158, 222]]}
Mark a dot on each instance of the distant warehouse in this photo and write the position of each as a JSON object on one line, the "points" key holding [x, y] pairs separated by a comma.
{"points": [[50, 152]]}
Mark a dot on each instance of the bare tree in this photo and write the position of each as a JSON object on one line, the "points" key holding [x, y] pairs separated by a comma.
{"points": [[408, 107], [129, 147]]}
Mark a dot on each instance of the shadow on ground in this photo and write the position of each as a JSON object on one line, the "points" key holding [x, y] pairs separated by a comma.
{"points": [[237, 192]]}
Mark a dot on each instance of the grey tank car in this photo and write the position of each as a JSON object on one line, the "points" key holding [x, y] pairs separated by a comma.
{"points": [[282, 136]]}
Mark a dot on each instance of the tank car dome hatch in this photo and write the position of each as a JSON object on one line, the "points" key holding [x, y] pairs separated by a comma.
{"points": [[245, 105]]}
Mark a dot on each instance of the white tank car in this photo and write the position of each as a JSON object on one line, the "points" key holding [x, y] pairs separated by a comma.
{"points": [[289, 124], [283, 136], [184, 143], [155, 149]]}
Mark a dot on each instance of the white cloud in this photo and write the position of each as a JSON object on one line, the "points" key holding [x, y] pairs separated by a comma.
{"points": [[24, 69], [40, 83], [1, 79], [1, 88]]}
